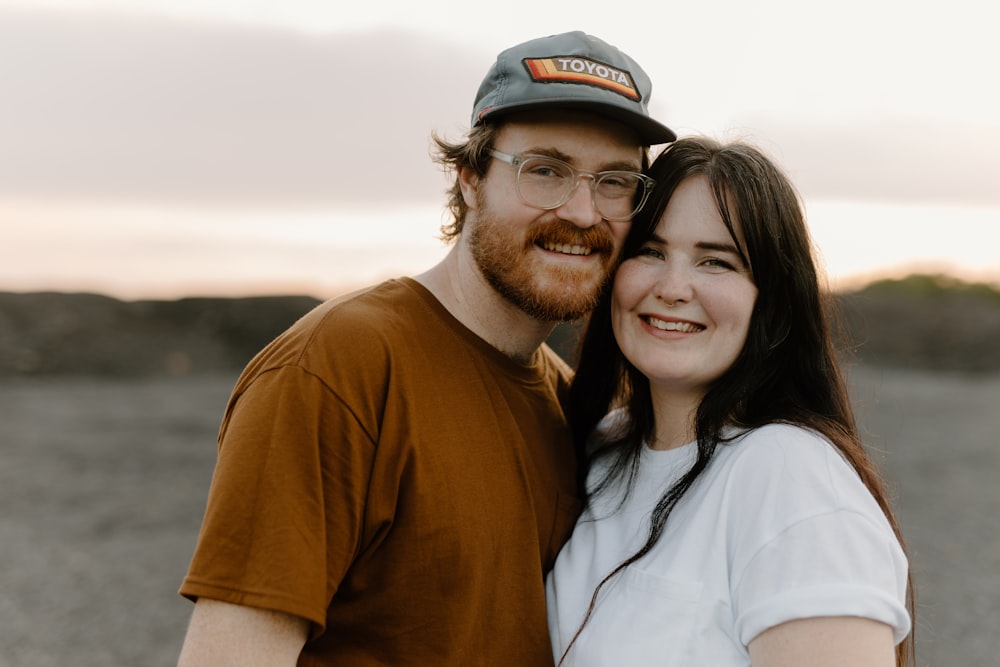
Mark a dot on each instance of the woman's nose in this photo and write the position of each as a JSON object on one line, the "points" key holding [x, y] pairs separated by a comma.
{"points": [[674, 284]]}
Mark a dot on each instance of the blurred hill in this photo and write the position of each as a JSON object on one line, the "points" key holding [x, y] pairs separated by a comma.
{"points": [[927, 322], [923, 321], [47, 333]]}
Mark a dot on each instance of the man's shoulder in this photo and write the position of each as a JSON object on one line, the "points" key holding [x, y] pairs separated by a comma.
{"points": [[361, 326], [386, 296], [364, 311]]}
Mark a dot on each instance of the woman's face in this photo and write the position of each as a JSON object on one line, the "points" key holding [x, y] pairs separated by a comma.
{"points": [[681, 306]]}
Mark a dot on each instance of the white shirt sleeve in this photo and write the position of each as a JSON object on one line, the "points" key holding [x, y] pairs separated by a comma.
{"points": [[816, 544]]}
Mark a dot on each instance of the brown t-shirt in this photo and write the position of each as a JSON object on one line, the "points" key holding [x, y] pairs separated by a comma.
{"points": [[386, 474]]}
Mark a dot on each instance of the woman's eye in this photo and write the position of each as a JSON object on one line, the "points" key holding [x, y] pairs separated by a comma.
{"points": [[719, 264], [649, 251]]}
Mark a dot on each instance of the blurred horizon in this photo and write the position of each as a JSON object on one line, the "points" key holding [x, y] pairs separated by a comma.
{"points": [[175, 254], [942, 277]]}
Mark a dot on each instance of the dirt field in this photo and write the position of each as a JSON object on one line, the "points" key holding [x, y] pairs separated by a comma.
{"points": [[102, 485]]}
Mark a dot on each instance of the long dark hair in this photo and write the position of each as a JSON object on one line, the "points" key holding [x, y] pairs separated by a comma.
{"points": [[788, 370]]}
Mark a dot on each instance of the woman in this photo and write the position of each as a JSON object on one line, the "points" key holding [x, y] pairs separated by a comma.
{"points": [[733, 515]]}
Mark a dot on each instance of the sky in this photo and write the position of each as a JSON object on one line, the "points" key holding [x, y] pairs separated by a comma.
{"points": [[166, 148]]}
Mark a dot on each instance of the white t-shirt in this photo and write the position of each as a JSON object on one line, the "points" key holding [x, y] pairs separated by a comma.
{"points": [[779, 527]]}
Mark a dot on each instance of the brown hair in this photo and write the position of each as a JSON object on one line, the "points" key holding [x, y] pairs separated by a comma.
{"points": [[473, 153]]}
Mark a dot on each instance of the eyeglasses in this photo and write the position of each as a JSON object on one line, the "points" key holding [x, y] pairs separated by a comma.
{"points": [[548, 183]]}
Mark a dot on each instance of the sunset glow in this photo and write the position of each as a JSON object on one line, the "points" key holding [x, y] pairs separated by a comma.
{"points": [[166, 147]]}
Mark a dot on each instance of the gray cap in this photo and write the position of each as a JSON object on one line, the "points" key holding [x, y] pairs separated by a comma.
{"points": [[571, 70]]}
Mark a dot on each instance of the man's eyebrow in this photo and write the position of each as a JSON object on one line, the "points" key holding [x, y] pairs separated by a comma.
{"points": [[617, 165], [622, 166]]}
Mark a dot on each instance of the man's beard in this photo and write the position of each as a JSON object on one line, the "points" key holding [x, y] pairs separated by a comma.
{"points": [[545, 292]]}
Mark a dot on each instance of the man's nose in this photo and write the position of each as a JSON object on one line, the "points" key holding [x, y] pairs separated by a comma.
{"points": [[579, 208]]}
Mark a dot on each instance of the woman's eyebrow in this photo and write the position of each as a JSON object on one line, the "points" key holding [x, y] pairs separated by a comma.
{"points": [[721, 247]]}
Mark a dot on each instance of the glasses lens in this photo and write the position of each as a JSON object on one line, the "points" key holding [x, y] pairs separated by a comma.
{"points": [[547, 183], [544, 182], [615, 194]]}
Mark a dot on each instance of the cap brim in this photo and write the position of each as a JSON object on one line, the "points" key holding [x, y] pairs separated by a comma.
{"points": [[651, 132]]}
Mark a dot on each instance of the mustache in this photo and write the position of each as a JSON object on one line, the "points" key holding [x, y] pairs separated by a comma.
{"points": [[598, 237]]}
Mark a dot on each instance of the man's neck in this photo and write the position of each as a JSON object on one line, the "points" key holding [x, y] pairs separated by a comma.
{"points": [[461, 288]]}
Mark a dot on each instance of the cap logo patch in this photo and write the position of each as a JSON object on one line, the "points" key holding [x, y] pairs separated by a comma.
{"points": [[574, 69]]}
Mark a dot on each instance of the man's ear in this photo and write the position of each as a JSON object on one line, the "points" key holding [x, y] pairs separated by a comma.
{"points": [[468, 180]]}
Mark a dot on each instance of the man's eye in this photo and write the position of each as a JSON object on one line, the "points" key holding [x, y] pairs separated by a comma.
{"points": [[545, 171]]}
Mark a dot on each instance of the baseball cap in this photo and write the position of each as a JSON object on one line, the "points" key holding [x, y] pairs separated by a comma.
{"points": [[570, 70]]}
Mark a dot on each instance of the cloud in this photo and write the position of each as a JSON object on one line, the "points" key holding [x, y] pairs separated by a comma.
{"points": [[112, 107], [885, 160], [128, 108]]}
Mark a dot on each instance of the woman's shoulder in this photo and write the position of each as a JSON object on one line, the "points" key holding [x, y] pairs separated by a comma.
{"points": [[794, 463], [779, 435], [777, 444]]}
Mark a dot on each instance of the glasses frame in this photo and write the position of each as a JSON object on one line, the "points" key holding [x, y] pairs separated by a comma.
{"points": [[519, 160]]}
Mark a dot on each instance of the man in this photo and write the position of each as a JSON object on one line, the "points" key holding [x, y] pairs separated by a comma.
{"points": [[395, 473]]}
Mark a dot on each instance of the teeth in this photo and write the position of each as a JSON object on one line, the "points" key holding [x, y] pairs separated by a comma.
{"points": [[567, 249], [684, 327]]}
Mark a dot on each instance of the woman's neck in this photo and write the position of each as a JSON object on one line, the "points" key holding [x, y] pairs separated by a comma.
{"points": [[674, 415]]}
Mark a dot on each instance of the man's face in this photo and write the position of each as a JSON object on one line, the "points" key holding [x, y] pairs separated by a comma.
{"points": [[550, 263]]}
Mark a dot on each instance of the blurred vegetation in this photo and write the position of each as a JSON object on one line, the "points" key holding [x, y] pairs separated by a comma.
{"points": [[50, 333], [929, 322]]}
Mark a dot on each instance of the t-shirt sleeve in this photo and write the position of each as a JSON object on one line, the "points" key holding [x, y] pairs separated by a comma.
{"points": [[837, 564], [820, 545], [286, 505]]}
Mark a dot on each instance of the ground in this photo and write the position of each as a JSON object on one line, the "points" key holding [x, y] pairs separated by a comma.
{"points": [[103, 483]]}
